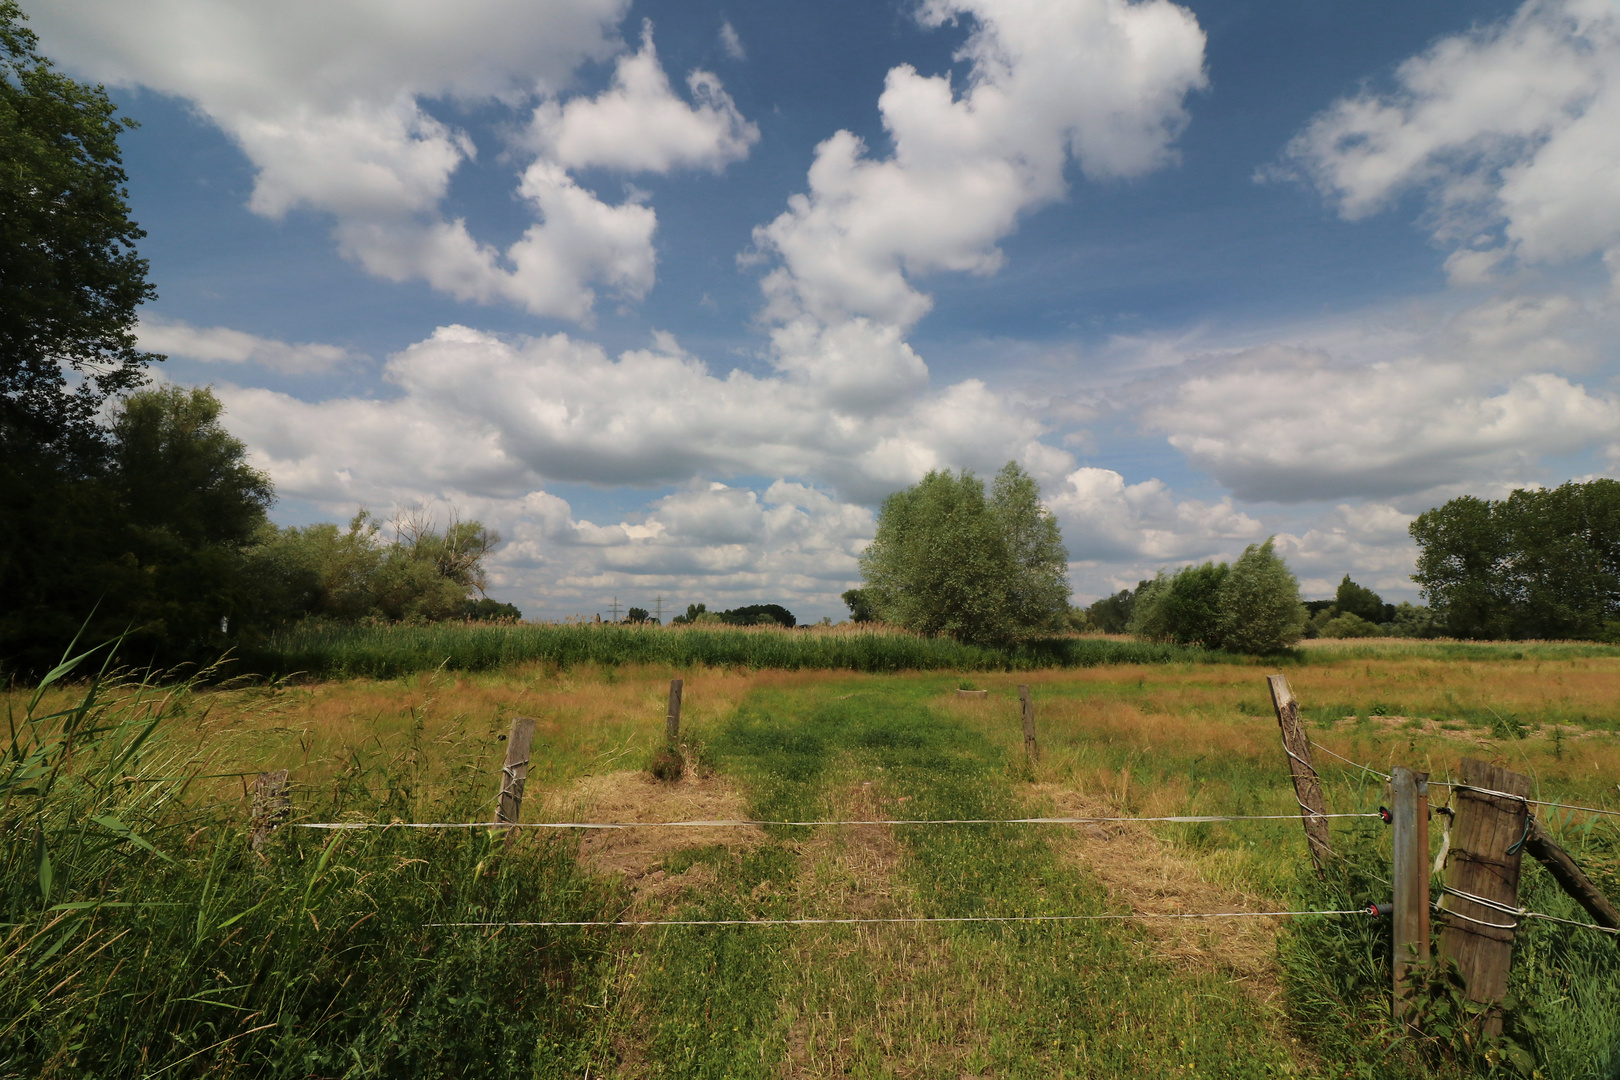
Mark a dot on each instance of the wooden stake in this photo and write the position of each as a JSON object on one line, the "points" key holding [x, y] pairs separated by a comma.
{"points": [[271, 804], [1410, 794], [1307, 788], [1032, 749], [672, 721], [514, 773], [1575, 882], [1479, 937]]}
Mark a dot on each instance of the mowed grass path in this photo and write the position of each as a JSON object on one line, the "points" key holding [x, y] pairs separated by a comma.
{"points": [[1009, 1000]]}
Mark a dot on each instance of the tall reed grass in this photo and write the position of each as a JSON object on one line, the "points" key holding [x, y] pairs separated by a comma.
{"points": [[140, 937], [390, 651]]}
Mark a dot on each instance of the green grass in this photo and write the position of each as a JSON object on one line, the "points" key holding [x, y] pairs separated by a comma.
{"points": [[1014, 1000], [390, 651]]}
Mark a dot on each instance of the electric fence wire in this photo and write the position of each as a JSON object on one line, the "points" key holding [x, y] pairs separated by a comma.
{"points": [[1187, 819], [1517, 913], [904, 919], [1456, 786]]}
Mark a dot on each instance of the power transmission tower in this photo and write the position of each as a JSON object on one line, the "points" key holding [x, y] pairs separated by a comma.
{"points": [[615, 609], [658, 609]]}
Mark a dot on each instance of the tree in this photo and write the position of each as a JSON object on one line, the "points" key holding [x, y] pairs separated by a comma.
{"points": [[1362, 602], [1540, 563], [1184, 608], [70, 282], [947, 560], [860, 605], [1259, 603], [759, 615], [1112, 614]]}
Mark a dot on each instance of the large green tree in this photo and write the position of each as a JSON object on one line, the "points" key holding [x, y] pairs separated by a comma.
{"points": [[1259, 603], [1542, 563], [70, 283], [1183, 607], [948, 559]]}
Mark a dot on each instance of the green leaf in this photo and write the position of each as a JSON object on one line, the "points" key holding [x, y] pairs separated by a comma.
{"points": [[123, 832], [42, 861]]}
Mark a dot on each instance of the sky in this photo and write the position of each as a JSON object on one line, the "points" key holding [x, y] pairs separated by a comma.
{"points": [[672, 295]]}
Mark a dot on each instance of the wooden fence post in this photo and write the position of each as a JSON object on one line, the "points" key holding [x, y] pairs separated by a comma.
{"points": [[513, 774], [1410, 793], [672, 721], [1307, 788], [1487, 841], [1571, 877], [1032, 749], [271, 804]]}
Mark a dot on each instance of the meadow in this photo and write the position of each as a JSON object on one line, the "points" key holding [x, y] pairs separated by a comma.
{"points": [[162, 946]]}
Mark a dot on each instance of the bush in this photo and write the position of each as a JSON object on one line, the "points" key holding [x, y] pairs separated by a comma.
{"points": [[1348, 625]]}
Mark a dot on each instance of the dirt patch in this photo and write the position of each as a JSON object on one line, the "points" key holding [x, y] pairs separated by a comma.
{"points": [[1153, 878], [639, 854]]}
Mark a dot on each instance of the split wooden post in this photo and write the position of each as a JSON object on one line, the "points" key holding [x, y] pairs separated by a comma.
{"points": [[513, 774], [1487, 839], [1574, 881], [672, 721], [1410, 794], [271, 805], [1307, 787], [1032, 749]]}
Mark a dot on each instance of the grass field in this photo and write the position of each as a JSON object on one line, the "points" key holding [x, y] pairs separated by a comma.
{"points": [[319, 959]]}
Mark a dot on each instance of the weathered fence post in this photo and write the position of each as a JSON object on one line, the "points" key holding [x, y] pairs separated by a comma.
{"points": [[1410, 794], [513, 774], [1032, 749], [1571, 877], [672, 721], [271, 804], [1307, 788], [1487, 842]]}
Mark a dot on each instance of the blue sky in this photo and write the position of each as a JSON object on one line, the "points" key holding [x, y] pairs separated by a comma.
{"points": [[673, 294]]}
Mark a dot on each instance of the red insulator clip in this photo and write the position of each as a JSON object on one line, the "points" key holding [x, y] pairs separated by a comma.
{"points": [[1384, 813], [1379, 911]]}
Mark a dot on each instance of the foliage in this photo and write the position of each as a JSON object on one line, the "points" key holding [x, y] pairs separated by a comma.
{"points": [[860, 605], [637, 616], [759, 615], [1184, 608], [1362, 602], [1112, 614], [380, 651], [1259, 603], [422, 575], [158, 549], [72, 278], [1347, 625], [142, 937], [1413, 621], [484, 609], [1538, 564], [947, 560], [1251, 606]]}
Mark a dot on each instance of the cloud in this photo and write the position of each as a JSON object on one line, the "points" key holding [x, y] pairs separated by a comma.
{"points": [[326, 99], [1369, 542], [219, 344], [639, 125], [481, 414], [1506, 127], [1105, 519], [1101, 80], [731, 42], [1390, 411]]}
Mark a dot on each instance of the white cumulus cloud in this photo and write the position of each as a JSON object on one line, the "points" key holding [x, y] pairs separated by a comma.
{"points": [[1512, 128], [326, 100], [639, 125]]}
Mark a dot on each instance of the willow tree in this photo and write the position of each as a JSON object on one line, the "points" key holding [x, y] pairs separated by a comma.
{"points": [[950, 559]]}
